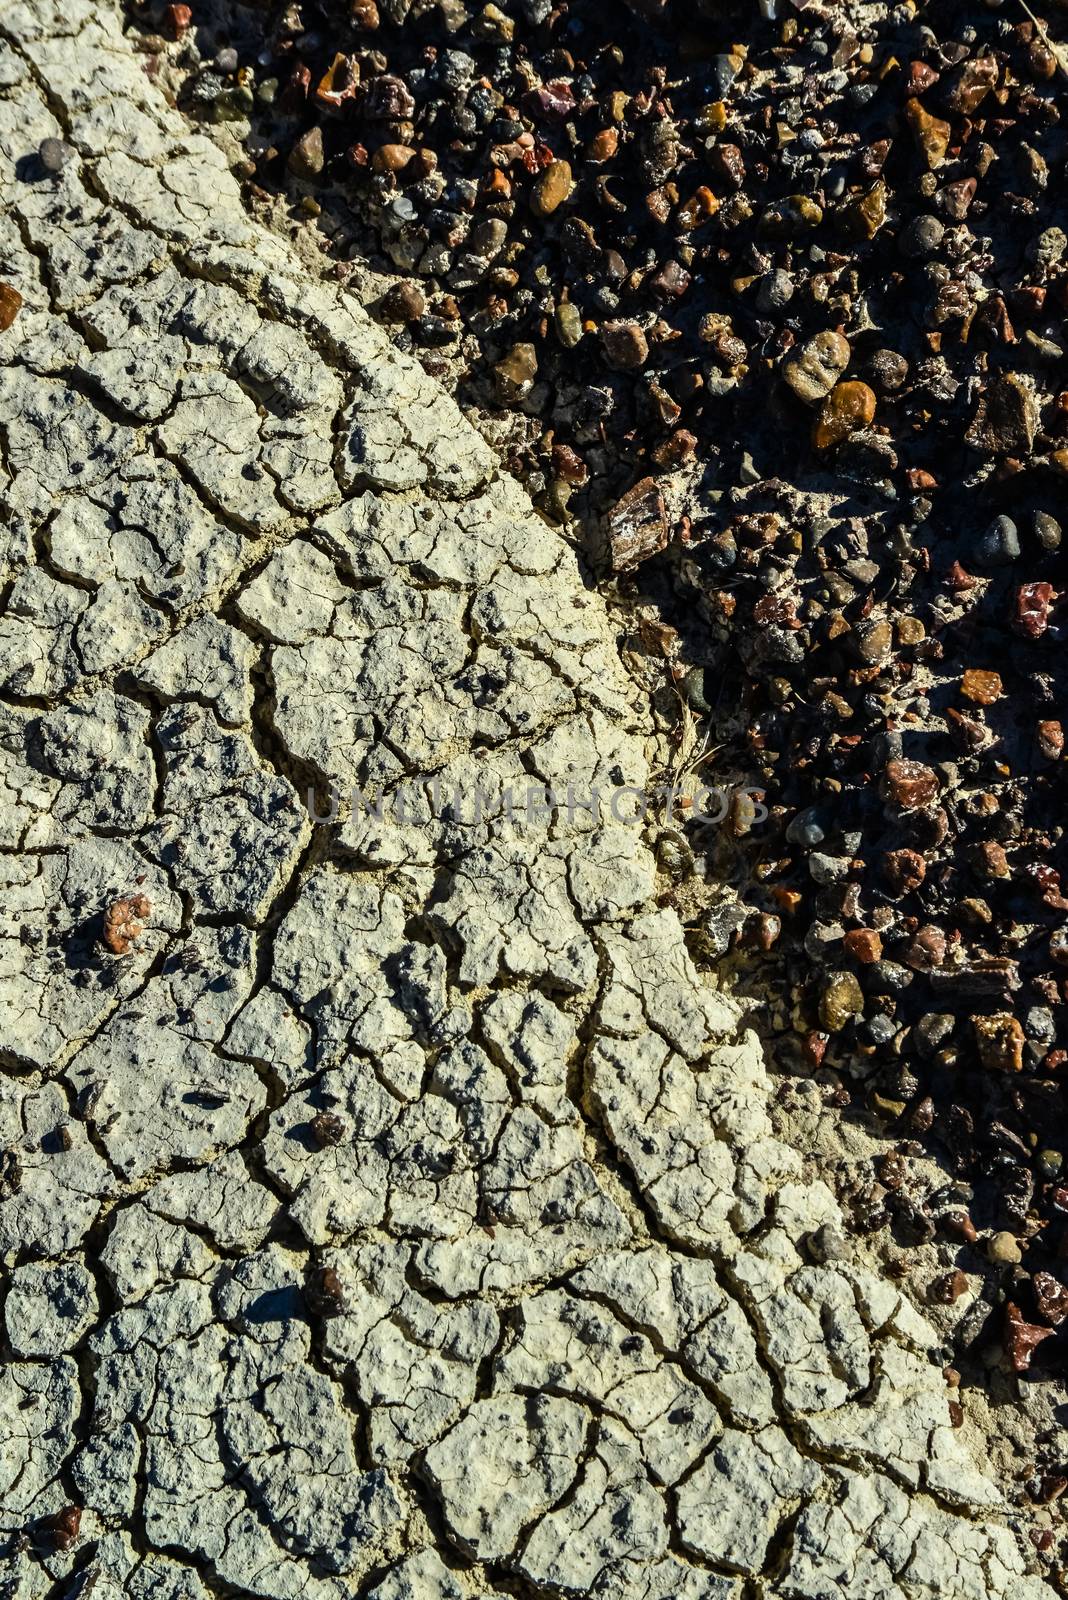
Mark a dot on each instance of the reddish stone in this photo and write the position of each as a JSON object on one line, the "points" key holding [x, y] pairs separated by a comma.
{"points": [[1051, 740], [910, 784], [176, 19], [967, 733], [64, 1526], [957, 197], [776, 610], [921, 77], [568, 464], [958, 579], [1022, 1338], [864, 945], [1031, 609], [959, 1225], [814, 1047], [903, 870]]}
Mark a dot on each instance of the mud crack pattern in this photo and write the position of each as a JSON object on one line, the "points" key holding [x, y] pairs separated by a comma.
{"points": [[388, 1207]]}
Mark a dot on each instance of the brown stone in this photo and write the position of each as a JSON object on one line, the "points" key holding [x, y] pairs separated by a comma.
{"points": [[866, 215], [1006, 417], [864, 945], [64, 1527], [904, 870], [1000, 1041], [991, 860], [701, 205], [568, 464], [603, 145], [324, 1292], [625, 346], [841, 1000], [637, 525], [910, 784], [931, 134], [1050, 740], [974, 82], [849, 406], [948, 1288], [672, 280], [307, 157], [327, 1129], [552, 188], [927, 950], [10, 306], [404, 302], [515, 374], [124, 922], [340, 82], [957, 198], [176, 20], [981, 687], [392, 157]]}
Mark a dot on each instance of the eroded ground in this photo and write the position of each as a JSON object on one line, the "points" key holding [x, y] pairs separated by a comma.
{"points": [[388, 1205]]}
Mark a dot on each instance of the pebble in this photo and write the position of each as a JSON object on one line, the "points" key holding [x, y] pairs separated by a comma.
{"points": [[1000, 1040], [813, 373], [1004, 1249], [999, 545], [1047, 531], [392, 157], [921, 237], [931, 133], [307, 158], [849, 406], [515, 374], [637, 526], [864, 945], [625, 345], [910, 784], [981, 687], [403, 302], [568, 324], [54, 154], [840, 1001], [553, 188]]}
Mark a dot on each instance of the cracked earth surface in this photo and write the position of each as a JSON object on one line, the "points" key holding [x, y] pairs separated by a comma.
{"points": [[399, 1215]]}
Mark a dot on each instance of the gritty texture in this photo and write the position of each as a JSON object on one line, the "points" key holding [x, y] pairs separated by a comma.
{"points": [[387, 1205]]}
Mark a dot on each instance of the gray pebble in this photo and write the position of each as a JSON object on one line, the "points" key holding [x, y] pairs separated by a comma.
{"points": [[999, 545], [54, 154]]}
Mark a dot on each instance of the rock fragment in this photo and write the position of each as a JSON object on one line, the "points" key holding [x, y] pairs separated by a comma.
{"points": [[637, 526]]}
